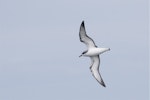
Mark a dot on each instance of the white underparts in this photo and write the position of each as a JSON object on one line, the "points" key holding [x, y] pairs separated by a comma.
{"points": [[96, 51]]}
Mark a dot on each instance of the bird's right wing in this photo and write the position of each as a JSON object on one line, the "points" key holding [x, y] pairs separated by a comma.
{"points": [[85, 38], [95, 69]]}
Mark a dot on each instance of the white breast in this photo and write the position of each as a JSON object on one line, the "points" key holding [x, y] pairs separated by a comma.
{"points": [[96, 51], [93, 52]]}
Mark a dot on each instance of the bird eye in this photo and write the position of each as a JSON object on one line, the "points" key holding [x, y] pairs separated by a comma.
{"points": [[84, 52]]}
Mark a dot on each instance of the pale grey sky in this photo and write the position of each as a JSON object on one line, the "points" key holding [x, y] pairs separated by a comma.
{"points": [[40, 48]]}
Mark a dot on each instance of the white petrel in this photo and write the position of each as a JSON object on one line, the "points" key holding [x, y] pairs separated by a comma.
{"points": [[92, 52]]}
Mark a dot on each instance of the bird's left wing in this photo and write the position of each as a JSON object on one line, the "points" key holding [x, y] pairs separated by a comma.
{"points": [[95, 69]]}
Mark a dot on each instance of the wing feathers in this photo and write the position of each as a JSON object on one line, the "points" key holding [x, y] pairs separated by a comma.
{"points": [[95, 69], [84, 37]]}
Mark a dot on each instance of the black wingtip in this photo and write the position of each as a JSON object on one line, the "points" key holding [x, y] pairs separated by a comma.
{"points": [[82, 24], [103, 84]]}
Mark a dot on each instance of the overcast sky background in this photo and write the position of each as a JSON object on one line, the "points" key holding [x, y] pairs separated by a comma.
{"points": [[40, 48]]}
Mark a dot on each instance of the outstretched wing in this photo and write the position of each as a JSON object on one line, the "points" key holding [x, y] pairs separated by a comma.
{"points": [[95, 69], [85, 38]]}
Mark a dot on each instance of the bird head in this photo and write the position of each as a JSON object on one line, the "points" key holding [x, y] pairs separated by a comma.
{"points": [[83, 53]]}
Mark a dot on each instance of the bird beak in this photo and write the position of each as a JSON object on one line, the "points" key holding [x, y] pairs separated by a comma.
{"points": [[80, 55]]}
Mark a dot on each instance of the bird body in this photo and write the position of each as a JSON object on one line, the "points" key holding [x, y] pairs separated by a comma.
{"points": [[95, 51], [92, 52]]}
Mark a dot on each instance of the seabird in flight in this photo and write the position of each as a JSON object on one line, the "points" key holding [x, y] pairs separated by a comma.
{"points": [[92, 52]]}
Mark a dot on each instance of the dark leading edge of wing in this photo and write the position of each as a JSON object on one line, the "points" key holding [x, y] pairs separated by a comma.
{"points": [[95, 69], [84, 37]]}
